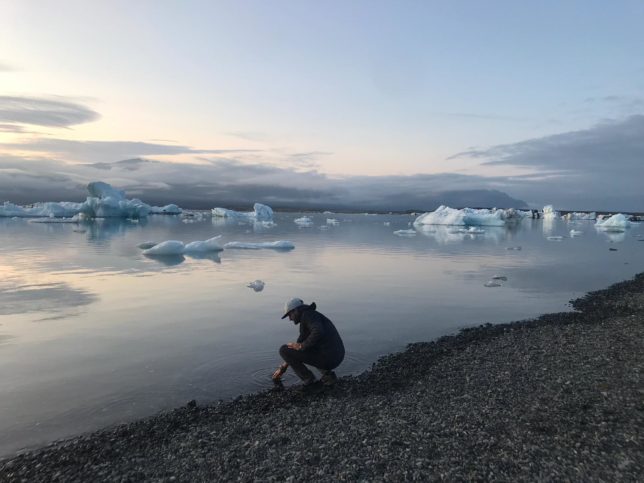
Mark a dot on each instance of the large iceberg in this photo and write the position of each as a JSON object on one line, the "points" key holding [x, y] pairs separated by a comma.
{"points": [[260, 213], [616, 222], [580, 216], [103, 201], [445, 215]]}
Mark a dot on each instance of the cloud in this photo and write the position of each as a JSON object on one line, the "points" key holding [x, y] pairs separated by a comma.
{"points": [[44, 112], [599, 165], [107, 151], [6, 67], [13, 128]]}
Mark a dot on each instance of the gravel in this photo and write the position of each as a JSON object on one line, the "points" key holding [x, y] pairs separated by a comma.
{"points": [[559, 397]]}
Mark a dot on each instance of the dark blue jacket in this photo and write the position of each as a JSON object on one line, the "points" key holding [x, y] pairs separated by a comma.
{"points": [[318, 334]]}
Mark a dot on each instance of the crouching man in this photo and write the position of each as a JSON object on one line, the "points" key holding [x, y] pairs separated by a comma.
{"points": [[319, 345]]}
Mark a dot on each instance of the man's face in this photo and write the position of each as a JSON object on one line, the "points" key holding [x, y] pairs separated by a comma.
{"points": [[292, 315]]}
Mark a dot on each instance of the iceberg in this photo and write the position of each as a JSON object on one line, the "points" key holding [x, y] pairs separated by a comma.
{"points": [[445, 215], [405, 232], [580, 216], [574, 233], [303, 221], [104, 201], [279, 245], [260, 213], [616, 222], [165, 210], [332, 221], [549, 212], [176, 247]]}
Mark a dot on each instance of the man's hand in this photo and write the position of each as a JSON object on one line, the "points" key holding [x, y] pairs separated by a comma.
{"points": [[277, 375], [294, 345]]}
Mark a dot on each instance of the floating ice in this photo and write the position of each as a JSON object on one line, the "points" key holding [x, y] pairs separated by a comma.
{"points": [[261, 213], [574, 233], [555, 238], [168, 247], [303, 221], [65, 209], [386, 223], [580, 216], [492, 283], [165, 210], [257, 285], [470, 231], [445, 215], [616, 222], [518, 248], [147, 244], [405, 232], [332, 221], [176, 247], [501, 278], [210, 245], [279, 245], [549, 212]]}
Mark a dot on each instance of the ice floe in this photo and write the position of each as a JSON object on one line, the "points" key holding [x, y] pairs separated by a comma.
{"points": [[574, 233], [580, 216], [549, 213], [260, 213], [104, 201], [170, 209], [147, 244], [492, 283], [279, 245], [616, 222], [332, 221], [405, 232], [257, 285], [304, 221], [555, 238], [444, 215], [176, 247]]}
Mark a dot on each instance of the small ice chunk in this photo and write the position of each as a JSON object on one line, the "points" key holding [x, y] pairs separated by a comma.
{"points": [[405, 233], [502, 278], [555, 238], [518, 248], [279, 245], [303, 221], [169, 247], [257, 285], [386, 223], [332, 221], [146, 244], [210, 245], [574, 233], [492, 283]]}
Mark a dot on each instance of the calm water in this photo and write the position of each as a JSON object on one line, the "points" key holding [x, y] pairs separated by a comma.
{"points": [[94, 333]]}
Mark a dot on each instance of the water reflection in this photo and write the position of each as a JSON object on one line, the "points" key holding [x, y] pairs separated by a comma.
{"points": [[47, 297], [167, 260], [454, 234]]}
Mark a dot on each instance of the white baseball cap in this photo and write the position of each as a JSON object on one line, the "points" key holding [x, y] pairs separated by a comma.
{"points": [[290, 305]]}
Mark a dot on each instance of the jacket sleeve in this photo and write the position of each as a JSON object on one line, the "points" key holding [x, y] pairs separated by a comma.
{"points": [[316, 331]]}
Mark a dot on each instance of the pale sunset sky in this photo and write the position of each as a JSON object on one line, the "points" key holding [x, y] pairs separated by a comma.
{"points": [[303, 101]]}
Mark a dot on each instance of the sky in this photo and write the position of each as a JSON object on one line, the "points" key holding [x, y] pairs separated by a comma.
{"points": [[383, 104]]}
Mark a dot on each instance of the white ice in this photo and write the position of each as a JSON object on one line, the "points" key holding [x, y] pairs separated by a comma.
{"points": [[492, 283], [555, 238], [303, 221], [103, 201], [445, 215], [176, 247], [549, 212], [332, 221], [260, 213], [580, 216], [280, 245], [147, 244], [405, 232], [616, 222], [257, 285], [574, 233], [165, 210]]}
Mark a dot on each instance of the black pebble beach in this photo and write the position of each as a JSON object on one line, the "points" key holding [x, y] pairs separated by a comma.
{"points": [[557, 398]]}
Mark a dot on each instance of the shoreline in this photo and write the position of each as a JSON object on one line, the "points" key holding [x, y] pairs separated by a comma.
{"points": [[555, 397]]}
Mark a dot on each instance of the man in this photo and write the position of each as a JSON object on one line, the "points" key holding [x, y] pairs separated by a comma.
{"points": [[319, 345]]}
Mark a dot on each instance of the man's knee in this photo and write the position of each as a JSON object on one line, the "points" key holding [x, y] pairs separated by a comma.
{"points": [[284, 351]]}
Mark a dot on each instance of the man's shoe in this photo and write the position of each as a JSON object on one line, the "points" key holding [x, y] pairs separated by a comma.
{"points": [[313, 387], [329, 378]]}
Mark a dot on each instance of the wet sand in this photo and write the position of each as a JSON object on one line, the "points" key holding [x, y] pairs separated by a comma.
{"points": [[559, 397]]}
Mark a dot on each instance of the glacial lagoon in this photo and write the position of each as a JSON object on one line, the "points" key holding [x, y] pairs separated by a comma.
{"points": [[93, 332]]}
